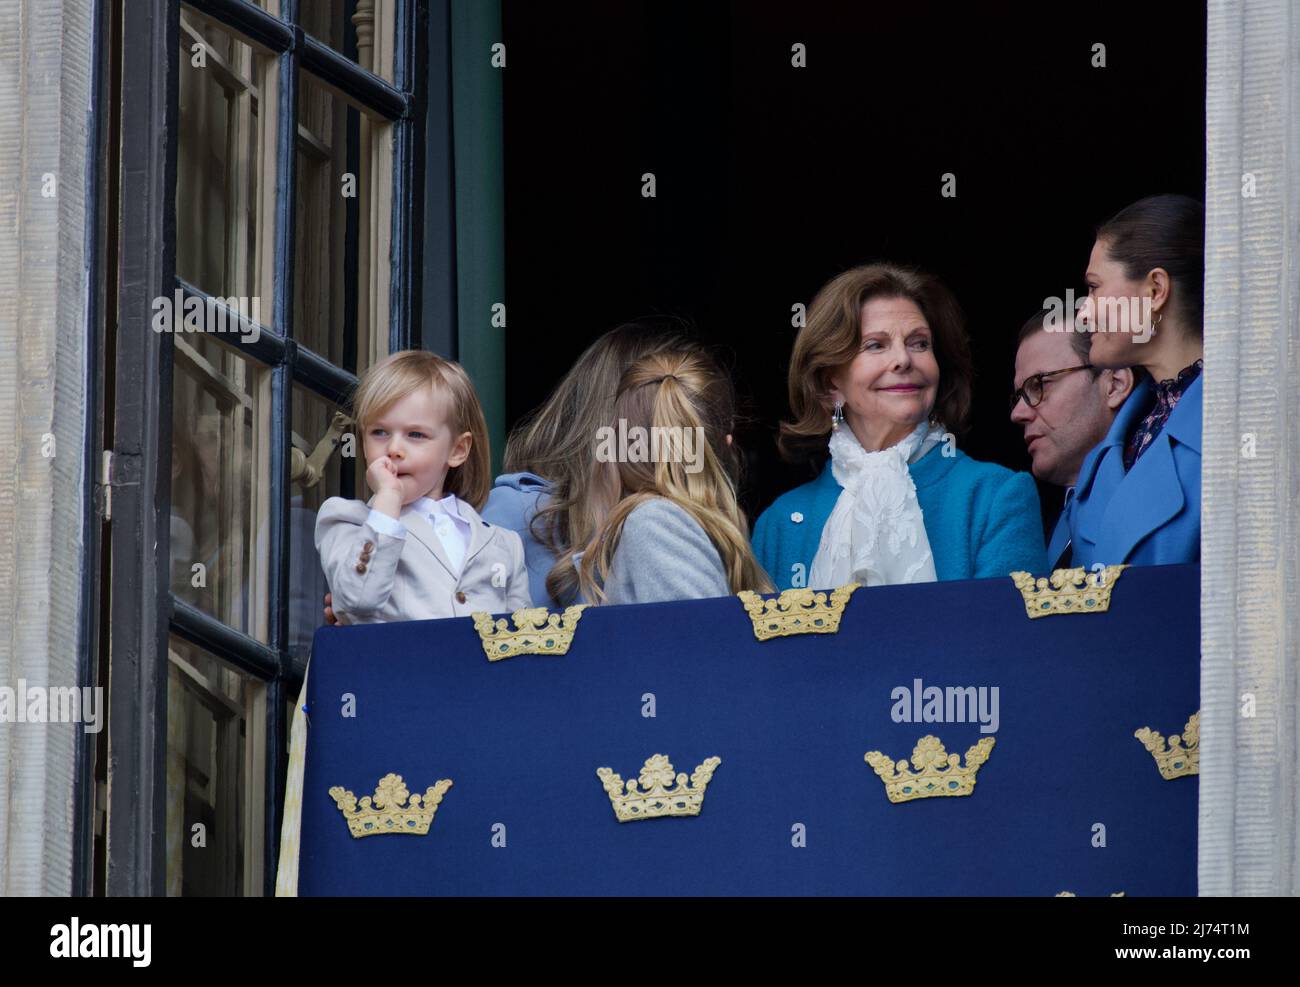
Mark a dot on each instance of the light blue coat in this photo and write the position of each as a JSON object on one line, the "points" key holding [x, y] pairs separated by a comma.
{"points": [[1150, 515], [982, 520], [512, 502]]}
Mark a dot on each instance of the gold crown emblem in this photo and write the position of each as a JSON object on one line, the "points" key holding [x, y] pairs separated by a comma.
{"points": [[796, 611], [1071, 591], [937, 771], [1183, 755], [388, 811], [658, 796], [537, 632]]}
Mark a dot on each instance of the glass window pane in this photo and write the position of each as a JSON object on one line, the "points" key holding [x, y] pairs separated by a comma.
{"points": [[361, 30], [220, 482], [225, 163], [216, 720], [330, 22], [341, 248], [319, 470]]}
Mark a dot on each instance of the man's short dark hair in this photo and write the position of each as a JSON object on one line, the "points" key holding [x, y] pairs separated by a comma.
{"points": [[1081, 342]]}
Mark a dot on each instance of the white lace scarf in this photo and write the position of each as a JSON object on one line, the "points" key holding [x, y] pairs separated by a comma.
{"points": [[875, 534]]}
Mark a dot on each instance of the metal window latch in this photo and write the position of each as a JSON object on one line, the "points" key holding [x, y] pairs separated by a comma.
{"points": [[307, 470]]}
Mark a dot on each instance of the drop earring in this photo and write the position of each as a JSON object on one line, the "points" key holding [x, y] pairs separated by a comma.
{"points": [[837, 416]]}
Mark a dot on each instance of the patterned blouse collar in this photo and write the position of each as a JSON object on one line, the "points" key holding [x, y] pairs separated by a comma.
{"points": [[1168, 392], [1172, 389]]}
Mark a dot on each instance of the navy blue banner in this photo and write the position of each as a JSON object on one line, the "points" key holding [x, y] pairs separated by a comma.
{"points": [[1069, 799]]}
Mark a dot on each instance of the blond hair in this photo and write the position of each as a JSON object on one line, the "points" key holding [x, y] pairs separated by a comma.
{"points": [[555, 441], [407, 371], [682, 389]]}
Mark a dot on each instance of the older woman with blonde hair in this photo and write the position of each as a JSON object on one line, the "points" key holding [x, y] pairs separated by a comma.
{"points": [[880, 378]]}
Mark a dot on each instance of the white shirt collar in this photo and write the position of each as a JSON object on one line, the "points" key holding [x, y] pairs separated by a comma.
{"points": [[427, 506]]}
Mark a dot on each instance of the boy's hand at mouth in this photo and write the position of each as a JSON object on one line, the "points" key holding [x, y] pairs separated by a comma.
{"points": [[381, 475]]}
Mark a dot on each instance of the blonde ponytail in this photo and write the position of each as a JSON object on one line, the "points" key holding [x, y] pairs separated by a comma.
{"points": [[673, 391]]}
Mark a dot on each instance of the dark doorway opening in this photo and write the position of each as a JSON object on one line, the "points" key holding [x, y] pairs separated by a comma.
{"points": [[770, 179]]}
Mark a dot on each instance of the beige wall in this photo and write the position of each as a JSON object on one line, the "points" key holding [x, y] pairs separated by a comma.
{"points": [[1249, 843], [45, 63]]}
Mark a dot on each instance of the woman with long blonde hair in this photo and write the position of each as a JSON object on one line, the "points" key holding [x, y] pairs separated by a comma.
{"points": [[665, 479], [544, 494]]}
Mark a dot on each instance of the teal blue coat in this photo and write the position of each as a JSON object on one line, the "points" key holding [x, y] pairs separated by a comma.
{"points": [[982, 520]]}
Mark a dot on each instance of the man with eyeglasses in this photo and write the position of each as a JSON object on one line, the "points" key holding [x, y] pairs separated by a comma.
{"points": [[1065, 407]]}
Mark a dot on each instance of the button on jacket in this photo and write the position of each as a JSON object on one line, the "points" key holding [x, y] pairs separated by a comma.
{"points": [[376, 576]]}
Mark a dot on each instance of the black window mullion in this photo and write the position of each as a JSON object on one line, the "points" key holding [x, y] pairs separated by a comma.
{"points": [[412, 76], [325, 379], [407, 18], [277, 761], [345, 76], [270, 347], [235, 648], [406, 197], [101, 171], [401, 296], [139, 535], [252, 23], [286, 181], [286, 177], [278, 600]]}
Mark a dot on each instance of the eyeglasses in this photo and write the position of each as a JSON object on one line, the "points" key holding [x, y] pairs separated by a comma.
{"points": [[1032, 389]]}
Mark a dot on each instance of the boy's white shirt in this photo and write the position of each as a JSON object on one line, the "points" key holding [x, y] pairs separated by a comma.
{"points": [[415, 577], [451, 527]]}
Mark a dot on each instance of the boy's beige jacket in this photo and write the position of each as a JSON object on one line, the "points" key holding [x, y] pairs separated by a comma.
{"points": [[377, 577]]}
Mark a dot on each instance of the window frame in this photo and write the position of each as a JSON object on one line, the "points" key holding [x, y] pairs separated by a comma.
{"points": [[141, 369]]}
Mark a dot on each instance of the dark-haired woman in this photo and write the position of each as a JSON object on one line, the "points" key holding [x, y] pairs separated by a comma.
{"points": [[1138, 498], [883, 371]]}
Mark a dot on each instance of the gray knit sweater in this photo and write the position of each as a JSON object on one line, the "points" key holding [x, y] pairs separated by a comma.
{"points": [[663, 554]]}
